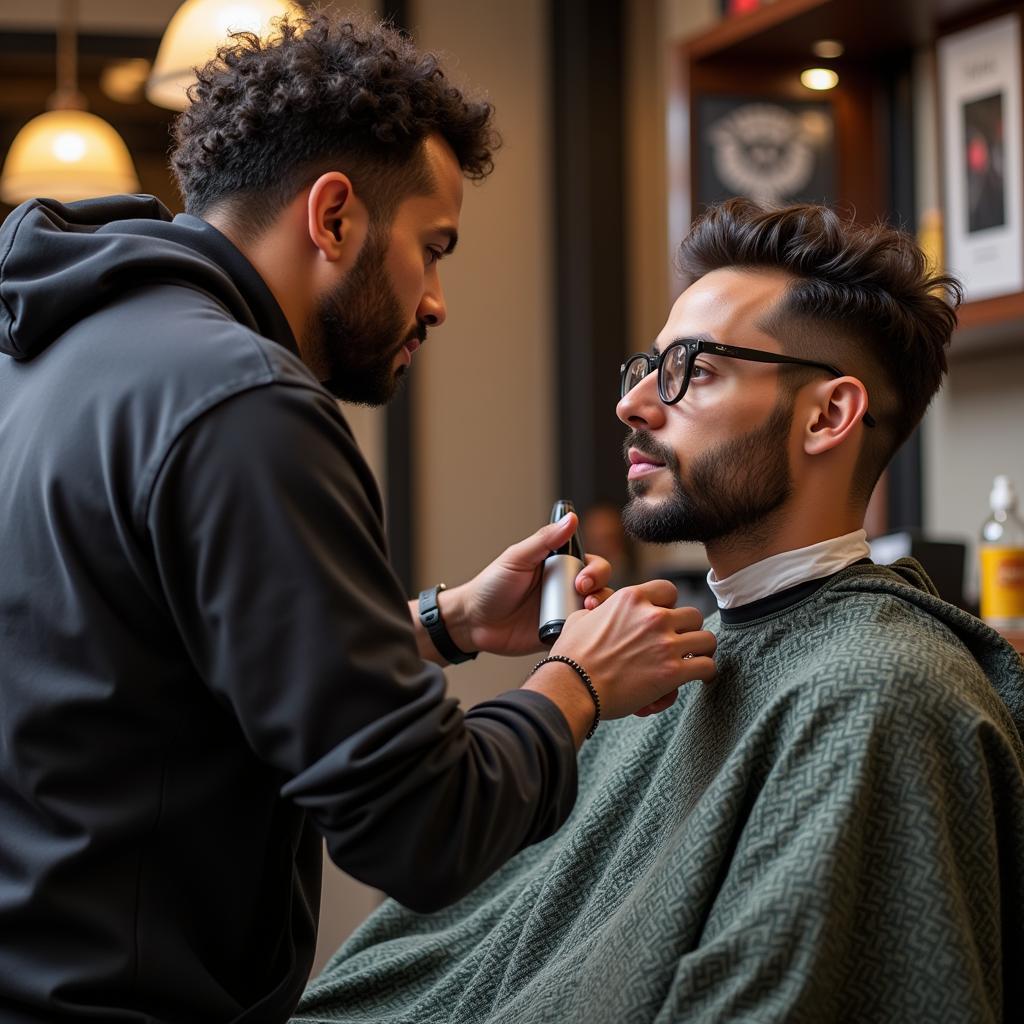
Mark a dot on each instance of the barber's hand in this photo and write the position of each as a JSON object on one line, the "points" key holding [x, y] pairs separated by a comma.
{"points": [[498, 610], [637, 648]]}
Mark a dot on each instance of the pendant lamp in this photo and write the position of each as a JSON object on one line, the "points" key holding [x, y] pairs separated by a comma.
{"points": [[193, 35], [67, 153]]}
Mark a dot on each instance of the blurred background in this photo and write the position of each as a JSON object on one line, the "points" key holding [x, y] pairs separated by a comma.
{"points": [[621, 119]]}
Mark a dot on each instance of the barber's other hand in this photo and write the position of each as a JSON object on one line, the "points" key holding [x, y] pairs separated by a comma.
{"points": [[638, 649], [498, 610]]}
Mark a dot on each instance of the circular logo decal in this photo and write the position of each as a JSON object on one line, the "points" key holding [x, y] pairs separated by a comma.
{"points": [[763, 151]]}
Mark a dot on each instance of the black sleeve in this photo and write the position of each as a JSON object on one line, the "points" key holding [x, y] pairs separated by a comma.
{"points": [[266, 528]]}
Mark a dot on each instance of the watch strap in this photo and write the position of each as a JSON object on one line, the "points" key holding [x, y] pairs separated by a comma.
{"points": [[433, 622]]}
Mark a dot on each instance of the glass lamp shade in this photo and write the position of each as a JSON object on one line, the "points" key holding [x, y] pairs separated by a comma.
{"points": [[67, 155], [192, 37]]}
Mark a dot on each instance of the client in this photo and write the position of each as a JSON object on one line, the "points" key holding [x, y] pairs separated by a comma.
{"points": [[833, 829]]}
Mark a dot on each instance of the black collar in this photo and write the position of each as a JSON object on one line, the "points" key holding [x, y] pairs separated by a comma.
{"points": [[270, 319], [780, 601]]}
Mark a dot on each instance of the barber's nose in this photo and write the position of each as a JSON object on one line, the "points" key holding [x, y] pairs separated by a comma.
{"points": [[641, 407], [432, 311]]}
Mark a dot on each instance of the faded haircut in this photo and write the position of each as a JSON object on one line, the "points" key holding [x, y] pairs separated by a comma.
{"points": [[862, 298]]}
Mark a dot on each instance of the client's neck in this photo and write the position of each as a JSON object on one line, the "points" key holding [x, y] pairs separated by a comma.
{"points": [[787, 529]]}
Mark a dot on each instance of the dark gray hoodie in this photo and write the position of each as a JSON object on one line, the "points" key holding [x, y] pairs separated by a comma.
{"points": [[207, 664]]}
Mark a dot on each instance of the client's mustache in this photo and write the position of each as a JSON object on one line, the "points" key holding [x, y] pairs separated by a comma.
{"points": [[644, 441]]}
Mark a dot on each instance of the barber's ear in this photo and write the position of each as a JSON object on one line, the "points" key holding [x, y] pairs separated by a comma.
{"points": [[337, 218], [839, 406]]}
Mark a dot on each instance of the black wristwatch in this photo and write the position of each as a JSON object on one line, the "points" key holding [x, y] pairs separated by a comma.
{"points": [[430, 617]]}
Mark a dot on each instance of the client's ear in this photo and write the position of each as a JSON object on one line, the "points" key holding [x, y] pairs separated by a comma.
{"points": [[837, 410], [337, 219]]}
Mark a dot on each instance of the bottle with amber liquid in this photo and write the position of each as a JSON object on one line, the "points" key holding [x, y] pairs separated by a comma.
{"points": [[1002, 559]]}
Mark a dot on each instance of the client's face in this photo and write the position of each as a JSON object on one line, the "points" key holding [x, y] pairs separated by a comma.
{"points": [[716, 464]]}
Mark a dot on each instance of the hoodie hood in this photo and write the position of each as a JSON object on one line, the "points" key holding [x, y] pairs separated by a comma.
{"points": [[59, 262], [906, 579]]}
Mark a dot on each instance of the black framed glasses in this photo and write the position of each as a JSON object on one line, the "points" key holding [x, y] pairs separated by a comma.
{"points": [[675, 367]]}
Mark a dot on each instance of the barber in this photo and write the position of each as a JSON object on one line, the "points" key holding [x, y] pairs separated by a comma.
{"points": [[208, 666]]}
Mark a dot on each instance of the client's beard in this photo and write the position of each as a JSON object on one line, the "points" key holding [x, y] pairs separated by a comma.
{"points": [[734, 490]]}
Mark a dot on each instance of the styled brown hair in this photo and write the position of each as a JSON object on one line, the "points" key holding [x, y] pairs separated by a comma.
{"points": [[323, 93], [862, 299]]}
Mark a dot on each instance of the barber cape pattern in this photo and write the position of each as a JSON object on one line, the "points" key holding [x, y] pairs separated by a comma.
{"points": [[832, 830]]}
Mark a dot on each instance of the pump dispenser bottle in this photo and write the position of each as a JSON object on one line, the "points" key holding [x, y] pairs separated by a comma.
{"points": [[1002, 559], [559, 597]]}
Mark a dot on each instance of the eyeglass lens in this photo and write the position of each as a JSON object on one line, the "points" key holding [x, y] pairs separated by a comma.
{"points": [[673, 372], [672, 377], [636, 369]]}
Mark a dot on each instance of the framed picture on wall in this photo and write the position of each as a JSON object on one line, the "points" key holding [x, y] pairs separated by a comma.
{"points": [[979, 77], [769, 150]]}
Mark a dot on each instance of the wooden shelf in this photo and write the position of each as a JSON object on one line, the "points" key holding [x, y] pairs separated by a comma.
{"points": [[868, 29], [989, 325], [746, 31], [985, 312]]}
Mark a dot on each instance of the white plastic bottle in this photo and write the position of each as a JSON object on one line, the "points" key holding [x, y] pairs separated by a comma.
{"points": [[1002, 559]]}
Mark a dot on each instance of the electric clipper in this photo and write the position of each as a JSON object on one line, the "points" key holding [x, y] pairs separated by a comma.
{"points": [[559, 597]]}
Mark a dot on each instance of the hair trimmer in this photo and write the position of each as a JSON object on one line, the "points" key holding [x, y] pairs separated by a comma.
{"points": [[558, 596]]}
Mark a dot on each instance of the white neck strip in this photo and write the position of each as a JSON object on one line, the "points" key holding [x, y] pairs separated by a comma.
{"points": [[787, 569]]}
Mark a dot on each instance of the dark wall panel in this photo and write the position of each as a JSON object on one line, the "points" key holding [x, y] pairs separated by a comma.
{"points": [[588, 86]]}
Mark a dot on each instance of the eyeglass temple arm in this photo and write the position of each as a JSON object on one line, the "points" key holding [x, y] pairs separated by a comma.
{"points": [[757, 356], [760, 356]]}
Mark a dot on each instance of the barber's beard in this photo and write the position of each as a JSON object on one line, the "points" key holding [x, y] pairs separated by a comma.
{"points": [[732, 494], [358, 329]]}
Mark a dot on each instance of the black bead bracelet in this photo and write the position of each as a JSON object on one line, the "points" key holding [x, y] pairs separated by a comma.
{"points": [[582, 673]]}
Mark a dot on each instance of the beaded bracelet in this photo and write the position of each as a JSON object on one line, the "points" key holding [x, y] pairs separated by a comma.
{"points": [[582, 672]]}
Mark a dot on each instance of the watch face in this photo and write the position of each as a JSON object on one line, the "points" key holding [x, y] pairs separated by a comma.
{"points": [[771, 152]]}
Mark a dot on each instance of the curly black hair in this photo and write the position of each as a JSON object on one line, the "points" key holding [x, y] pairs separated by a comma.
{"points": [[863, 298], [323, 93]]}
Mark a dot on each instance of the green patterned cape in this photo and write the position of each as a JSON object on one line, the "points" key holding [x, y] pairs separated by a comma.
{"points": [[832, 830]]}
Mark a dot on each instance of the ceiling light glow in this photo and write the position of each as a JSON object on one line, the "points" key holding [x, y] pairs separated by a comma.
{"points": [[819, 79]]}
